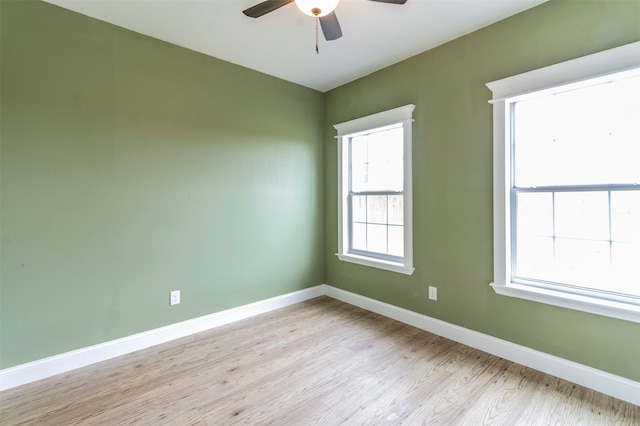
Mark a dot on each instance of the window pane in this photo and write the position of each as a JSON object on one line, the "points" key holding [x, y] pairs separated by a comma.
{"points": [[582, 215], [359, 241], [377, 209], [377, 161], [625, 259], [359, 163], [535, 214], [535, 258], [396, 210], [359, 208], [593, 130], [396, 240], [625, 216], [582, 263], [377, 238]]}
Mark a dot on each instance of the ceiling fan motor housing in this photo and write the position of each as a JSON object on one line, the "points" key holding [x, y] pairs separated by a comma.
{"points": [[317, 8]]}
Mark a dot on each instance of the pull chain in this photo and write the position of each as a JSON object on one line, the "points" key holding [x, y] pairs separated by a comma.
{"points": [[317, 48]]}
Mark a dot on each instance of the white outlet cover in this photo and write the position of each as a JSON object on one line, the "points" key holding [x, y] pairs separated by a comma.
{"points": [[433, 293], [175, 297]]}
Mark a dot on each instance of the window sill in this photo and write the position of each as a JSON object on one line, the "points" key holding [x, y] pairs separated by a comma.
{"points": [[609, 308], [377, 263]]}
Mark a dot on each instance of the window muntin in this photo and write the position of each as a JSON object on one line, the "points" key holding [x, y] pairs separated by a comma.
{"points": [[538, 198], [375, 190]]}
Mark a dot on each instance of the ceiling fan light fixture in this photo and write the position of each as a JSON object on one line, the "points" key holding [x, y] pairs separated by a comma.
{"points": [[317, 8]]}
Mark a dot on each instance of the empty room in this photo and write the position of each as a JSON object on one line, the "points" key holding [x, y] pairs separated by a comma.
{"points": [[300, 212]]}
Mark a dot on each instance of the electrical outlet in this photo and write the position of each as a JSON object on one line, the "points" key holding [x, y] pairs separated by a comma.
{"points": [[433, 293], [175, 298]]}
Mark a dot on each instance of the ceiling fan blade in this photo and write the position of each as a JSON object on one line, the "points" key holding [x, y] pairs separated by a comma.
{"points": [[265, 7], [331, 27], [392, 1]]}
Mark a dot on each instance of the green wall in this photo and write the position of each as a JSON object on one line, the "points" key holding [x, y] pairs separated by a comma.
{"points": [[452, 171], [132, 167]]}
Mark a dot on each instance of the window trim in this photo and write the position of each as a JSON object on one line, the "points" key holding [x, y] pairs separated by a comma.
{"points": [[347, 129], [505, 91]]}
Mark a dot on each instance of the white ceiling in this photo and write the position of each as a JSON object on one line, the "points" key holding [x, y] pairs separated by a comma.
{"points": [[282, 43]]}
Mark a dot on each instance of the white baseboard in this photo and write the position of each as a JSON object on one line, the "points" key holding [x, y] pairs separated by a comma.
{"points": [[601, 381], [607, 383], [47, 367]]}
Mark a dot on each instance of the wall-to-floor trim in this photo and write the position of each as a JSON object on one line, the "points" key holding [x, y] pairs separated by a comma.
{"points": [[57, 364], [601, 381]]}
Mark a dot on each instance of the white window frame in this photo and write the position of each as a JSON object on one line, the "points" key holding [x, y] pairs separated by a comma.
{"points": [[505, 92], [345, 130]]}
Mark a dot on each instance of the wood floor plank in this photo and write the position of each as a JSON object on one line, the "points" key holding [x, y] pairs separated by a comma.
{"points": [[320, 362]]}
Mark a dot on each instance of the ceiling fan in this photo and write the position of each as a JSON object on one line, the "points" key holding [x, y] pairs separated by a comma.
{"points": [[321, 9]]}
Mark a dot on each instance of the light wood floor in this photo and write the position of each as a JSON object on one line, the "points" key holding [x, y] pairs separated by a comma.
{"points": [[318, 362]]}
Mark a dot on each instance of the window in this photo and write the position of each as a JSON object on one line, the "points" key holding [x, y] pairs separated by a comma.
{"points": [[375, 208], [567, 184]]}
